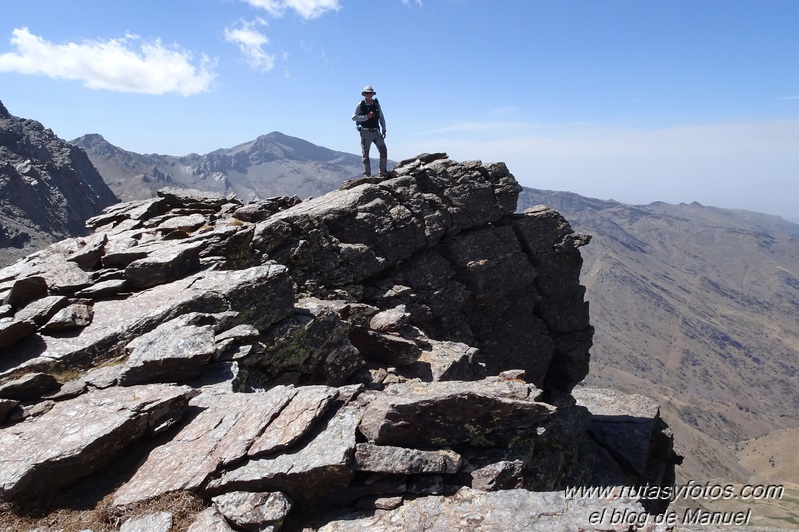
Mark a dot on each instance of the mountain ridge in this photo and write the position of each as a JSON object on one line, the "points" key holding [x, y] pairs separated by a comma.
{"points": [[274, 164], [635, 232], [48, 188], [679, 293]]}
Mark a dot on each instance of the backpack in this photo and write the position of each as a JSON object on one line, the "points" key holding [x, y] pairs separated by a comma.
{"points": [[360, 107]]}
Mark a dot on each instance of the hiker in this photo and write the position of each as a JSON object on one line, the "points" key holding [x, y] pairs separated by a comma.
{"points": [[369, 118]]}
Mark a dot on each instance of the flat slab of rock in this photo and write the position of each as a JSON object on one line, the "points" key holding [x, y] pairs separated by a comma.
{"points": [[443, 414], [189, 222], [611, 403], [505, 474], [171, 352], [316, 470], [191, 197], [513, 510], [402, 461], [220, 434], [295, 420], [77, 437], [63, 276], [28, 387], [90, 252], [26, 290], [164, 265], [390, 349], [623, 424], [12, 331], [41, 310], [74, 316], [445, 361], [103, 289]]}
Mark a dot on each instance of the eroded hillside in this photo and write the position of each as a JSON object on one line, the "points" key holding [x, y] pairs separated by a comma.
{"points": [[48, 188], [698, 306]]}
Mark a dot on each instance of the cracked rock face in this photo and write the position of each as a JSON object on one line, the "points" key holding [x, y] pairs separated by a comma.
{"points": [[405, 346], [77, 437]]}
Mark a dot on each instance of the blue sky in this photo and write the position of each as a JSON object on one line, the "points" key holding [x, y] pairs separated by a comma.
{"points": [[632, 100]]}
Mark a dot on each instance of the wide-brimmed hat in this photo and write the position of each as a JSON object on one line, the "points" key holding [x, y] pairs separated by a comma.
{"points": [[368, 90]]}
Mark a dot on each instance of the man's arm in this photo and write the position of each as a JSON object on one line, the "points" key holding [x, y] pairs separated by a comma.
{"points": [[382, 119], [357, 117]]}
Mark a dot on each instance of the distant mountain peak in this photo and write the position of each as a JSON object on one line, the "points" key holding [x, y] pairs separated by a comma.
{"points": [[277, 135], [93, 138], [97, 143], [277, 145], [273, 164]]}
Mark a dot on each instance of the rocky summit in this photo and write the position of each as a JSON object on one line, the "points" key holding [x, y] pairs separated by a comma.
{"points": [[399, 354]]}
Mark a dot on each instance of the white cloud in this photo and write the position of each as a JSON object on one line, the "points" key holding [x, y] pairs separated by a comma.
{"points": [[790, 97], [113, 65], [414, 2], [251, 42], [307, 9]]}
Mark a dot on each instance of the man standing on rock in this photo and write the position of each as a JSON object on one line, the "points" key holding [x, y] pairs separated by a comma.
{"points": [[370, 120]]}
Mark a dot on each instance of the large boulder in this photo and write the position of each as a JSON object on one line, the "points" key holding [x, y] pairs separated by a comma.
{"points": [[441, 414]]}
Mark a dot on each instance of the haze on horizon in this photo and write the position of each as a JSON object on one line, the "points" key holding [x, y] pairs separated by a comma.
{"points": [[637, 101]]}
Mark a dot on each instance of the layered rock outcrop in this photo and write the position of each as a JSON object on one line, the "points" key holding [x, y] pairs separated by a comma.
{"points": [[395, 346]]}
